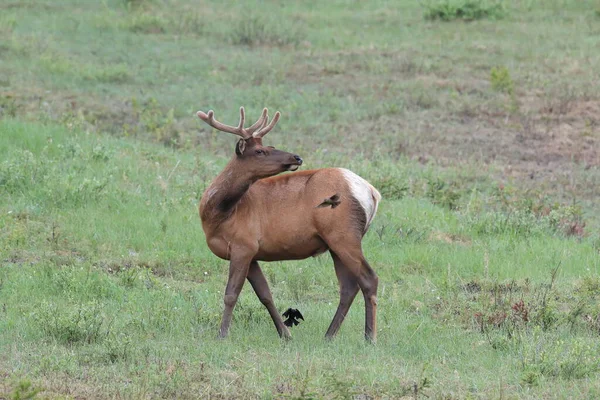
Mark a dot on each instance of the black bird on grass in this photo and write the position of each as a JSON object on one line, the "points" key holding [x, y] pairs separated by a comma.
{"points": [[292, 315]]}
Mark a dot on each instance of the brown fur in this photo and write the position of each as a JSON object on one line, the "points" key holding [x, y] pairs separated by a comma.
{"points": [[249, 215]]}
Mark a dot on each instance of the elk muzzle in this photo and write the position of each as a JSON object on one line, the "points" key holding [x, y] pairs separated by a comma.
{"points": [[297, 162]]}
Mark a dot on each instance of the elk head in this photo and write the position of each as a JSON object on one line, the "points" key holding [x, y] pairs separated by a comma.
{"points": [[261, 161]]}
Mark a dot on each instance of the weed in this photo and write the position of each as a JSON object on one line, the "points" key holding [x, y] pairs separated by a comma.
{"points": [[513, 317], [206, 317], [256, 30], [54, 236], [8, 106], [302, 389], [443, 194], [391, 187], [118, 347], [501, 80], [529, 218], [575, 359], [249, 313], [339, 388], [83, 323], [101, 153], [129, 277], [8, 24], [531, 376], [154, 122], [590, 286], [191, 22], [135, 3], [422, 100], [24, 390], [23, 170], [59, 64], [416, 389], [467, 10], [147, 23], [117, 73]]}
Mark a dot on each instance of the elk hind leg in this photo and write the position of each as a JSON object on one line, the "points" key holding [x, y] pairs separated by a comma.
{"points": [[261, 288], [348, 290], [350, 254], [368, 282]]}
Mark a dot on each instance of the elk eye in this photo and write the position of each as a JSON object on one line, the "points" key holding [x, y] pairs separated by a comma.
{"points": [[259, 152]]}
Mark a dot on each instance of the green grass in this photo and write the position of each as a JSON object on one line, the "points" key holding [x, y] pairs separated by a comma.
{"points": [[108, 287], [336, 70], [483, 138], [467, 10]]}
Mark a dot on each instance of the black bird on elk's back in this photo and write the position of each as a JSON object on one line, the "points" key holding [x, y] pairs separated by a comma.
{"points": [[292, 316]]}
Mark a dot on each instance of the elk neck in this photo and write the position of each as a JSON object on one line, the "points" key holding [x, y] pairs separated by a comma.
{"points": [[221, 197]]}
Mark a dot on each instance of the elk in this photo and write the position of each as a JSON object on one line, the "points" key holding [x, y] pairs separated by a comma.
{"points": [[250, 213]]}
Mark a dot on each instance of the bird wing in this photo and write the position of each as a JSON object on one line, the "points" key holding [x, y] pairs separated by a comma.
{"points": [[297, 314]]}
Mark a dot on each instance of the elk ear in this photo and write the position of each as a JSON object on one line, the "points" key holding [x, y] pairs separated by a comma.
{"points": [[240, 147]]}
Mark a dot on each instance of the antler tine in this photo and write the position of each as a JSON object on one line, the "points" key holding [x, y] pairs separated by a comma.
{"points": [[260, 123], [209, 118], [265, 123], [242, 119], [263, 131]]}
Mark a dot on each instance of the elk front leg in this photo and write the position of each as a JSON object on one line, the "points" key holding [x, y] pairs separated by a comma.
{"points": [[261, 288], [238, 270]]}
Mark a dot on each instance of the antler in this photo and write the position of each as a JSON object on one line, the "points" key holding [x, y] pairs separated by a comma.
{"points": [[210, 120], [262, 121], [259, 129], [266, 129]]}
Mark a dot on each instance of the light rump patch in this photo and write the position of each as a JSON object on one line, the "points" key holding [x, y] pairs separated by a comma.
{"points": [[364, 193]]}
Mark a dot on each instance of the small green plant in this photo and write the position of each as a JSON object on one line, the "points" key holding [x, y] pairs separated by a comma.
{"points": [[22, 170], [573, 359], [501, 80], [340, 387], [152, 120], [417, 388], [443, 194], [84, 323], [391, 187], [466, 10], [8, 106], [118, 347], [590, 286], [258, 31], [7, 25], [147, 23], [129, 277], [302, 389], [134, 3], [24, 391], [191, 22], [117, 73], [531, 377]]}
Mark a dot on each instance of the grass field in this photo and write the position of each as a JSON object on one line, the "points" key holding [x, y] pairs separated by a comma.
{"points": [[483, 137]]}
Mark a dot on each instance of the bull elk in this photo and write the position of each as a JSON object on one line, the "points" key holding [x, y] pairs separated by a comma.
{"points": [[249, 215]]}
